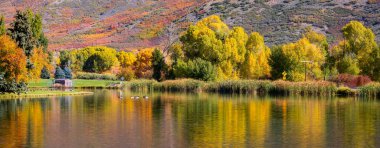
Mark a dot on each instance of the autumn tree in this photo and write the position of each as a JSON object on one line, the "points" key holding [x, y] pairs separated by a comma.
{"points": [[205, 40], [235, 52], [90, 59], [211, 40], [360, 46], [256, 64], [143, 64], [176, 54], [126, 59], [293, 56], [317, 39], [40, 60], [320, 41], [65, 58], [12, 60], [100, 62], [235, 44]]}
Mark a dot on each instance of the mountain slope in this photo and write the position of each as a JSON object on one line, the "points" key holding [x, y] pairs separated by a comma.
{"points": [[117, 23], [127, 24], [282, 21]]}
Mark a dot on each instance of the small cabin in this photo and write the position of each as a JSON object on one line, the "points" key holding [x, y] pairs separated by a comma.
{"points": [[63, 82]]}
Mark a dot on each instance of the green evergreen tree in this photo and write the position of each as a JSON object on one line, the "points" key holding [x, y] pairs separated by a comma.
{"points": [[22, 32], [68, 74], [2, 26], [45, 74], [38, 34], [59, 73], [158, 63]]}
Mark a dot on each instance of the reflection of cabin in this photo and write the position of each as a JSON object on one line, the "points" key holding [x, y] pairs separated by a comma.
{"points": [[63, 82]]}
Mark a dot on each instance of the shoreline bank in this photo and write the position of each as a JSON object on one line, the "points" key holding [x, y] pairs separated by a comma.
{"points": [[264, 87], [34, 94]]}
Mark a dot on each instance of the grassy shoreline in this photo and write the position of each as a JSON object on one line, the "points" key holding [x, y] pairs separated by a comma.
{"points": [[265, 87], [261, 87], [39, 93], [78, 83]]}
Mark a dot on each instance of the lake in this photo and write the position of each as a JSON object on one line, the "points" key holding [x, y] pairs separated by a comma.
{"points": [[110, 118]]}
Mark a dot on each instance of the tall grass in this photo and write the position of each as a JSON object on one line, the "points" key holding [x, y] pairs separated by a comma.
{"points": [[95, 76], [140, 85], [371, 90], [314, 88], [185, 85], [240, 86]]}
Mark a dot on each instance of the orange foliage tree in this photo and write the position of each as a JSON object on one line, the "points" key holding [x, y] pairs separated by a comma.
{"points": [[12, 60], [143, 64], [40, 60]]}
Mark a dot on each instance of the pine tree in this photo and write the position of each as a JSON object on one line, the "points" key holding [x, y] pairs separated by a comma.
{"points": [[158, 63], [22, 32], [45, 74], [59, 73], [68, 74], [2, 26]]}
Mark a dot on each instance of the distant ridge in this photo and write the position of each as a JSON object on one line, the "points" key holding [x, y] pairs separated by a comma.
{"points": [[134, 24]]}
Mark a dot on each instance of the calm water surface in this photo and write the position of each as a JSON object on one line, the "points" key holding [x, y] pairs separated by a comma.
{"points": [[188, 120]]}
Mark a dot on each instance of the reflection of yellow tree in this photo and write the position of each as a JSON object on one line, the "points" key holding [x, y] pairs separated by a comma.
{"points": [[234, 119], [306, 123], [224, 124], [359, 125], [146, 115], [25, 126], [259, 118]]}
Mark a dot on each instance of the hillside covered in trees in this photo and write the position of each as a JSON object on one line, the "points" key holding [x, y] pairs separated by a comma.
{"points": [[148, 23]]}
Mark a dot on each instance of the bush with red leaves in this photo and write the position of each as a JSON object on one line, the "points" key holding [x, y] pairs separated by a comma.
{"points": [[351, 80]]}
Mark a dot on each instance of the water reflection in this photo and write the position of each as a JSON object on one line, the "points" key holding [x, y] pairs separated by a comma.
{"points": [[112, 119]]}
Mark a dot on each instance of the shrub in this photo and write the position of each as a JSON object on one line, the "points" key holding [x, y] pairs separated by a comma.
{"points": [[345, 91], [11, 86], [126, 74], [196, 69], [95, 76], [351, 80]]}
